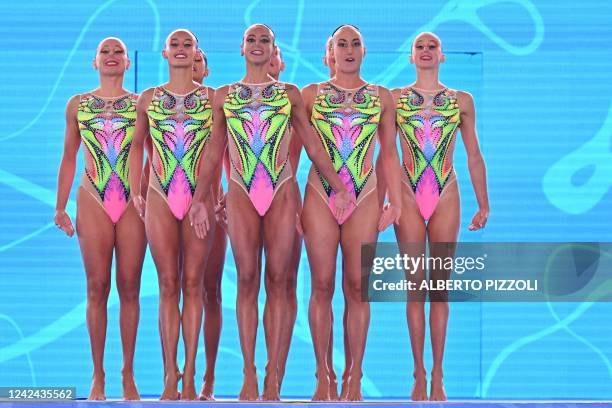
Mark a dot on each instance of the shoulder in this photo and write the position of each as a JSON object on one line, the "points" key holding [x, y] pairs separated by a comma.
{"points": [[289, 87], [144, 99], [219, 95], [465, 100], [72, 106], [386, 98]]}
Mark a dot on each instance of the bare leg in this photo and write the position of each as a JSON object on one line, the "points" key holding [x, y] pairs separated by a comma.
{"points": [[348, 361], [443, 228], [321, 236], [278, 236], [131, 243], [164, 241], [96, 238], [291, 309], [212, 310], [361, 227], [411, 233], [244, 228], [195, 252]]}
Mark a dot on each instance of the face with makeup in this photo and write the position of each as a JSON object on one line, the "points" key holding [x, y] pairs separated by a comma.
{"points": [[200, 67], [258, 44], [180, 50], [348, 50], [427, 51], [277, 65], [111, 57]]}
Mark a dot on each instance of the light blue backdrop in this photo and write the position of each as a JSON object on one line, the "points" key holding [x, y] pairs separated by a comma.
{"points": [[539, 71]]}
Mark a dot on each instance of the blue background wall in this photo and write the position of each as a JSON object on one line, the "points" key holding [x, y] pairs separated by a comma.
{"points": [[540, 74]]}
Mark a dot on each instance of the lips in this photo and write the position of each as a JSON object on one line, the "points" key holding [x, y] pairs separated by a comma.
{"points": [[425, 58], [111, 63], [257, 52], [180, 56], [349, 59]]}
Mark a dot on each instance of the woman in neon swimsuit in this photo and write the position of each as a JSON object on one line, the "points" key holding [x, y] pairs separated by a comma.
{"points": [[255, 115], [107, 221], [428, 117], [347, 113], [177, 116]]}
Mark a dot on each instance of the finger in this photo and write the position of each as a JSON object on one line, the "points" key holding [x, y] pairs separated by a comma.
{"points": [[199, 231], [207, 224]]}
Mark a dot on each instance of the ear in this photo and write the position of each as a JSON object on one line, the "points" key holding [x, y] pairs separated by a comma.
{"points": [[282, 65], [94, 64], [127, 64], [205, 72], [164, 55], [411, 59], [442, 58], [242, 48], [364, 51]]}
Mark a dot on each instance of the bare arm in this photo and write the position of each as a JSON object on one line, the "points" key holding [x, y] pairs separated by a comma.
{"points": [[67, 169], [211, 159], [141, 134], [389, 156], [476, 164], [310, 141]]}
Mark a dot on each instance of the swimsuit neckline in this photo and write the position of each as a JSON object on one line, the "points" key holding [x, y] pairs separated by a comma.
{"points": [[110, 97], [434, 91], [348, 89], [178, 94], [260, 84]]}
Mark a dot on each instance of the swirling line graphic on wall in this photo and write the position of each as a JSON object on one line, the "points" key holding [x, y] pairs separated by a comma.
{"points": [[453, 11], [591, 162], [601, 291], [92, 18]]}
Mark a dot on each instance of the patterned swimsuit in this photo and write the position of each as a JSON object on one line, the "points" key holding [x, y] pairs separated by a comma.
{"points": [[428, 125], [259, 137], [106, 126], [180, 126], [346, 122]]}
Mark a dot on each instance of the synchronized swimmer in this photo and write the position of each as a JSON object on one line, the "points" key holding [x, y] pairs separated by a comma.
{"points": [[257, 127]]}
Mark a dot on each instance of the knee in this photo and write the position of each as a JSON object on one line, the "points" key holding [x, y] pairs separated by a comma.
{"points": [[168, 288], [212, 294], [129, 290], [248, 282], [322, 290], [353, 288], [98, 290], [193, 286]]}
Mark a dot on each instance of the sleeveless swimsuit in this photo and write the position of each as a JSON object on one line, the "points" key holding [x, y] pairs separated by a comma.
{"points": [[428, 124], [259, 137], [346, 122], [106, 126], [180, 126]]}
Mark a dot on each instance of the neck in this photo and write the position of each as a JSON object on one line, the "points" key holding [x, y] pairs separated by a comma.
{"points": [[181, 80], [257, 74], [428, 79], [111, 86], [348, 80]]}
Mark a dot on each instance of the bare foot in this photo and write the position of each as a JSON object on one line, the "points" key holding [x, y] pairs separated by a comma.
{"points": [[323, 389], [271, 391], [437, 392], [130, 391], [419, 388], [333, 387], [206, 394], [353, 388], [188, 392], [344, 389], [171, 387], [97, 388], [249, 391]]}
